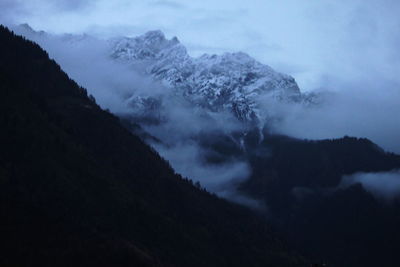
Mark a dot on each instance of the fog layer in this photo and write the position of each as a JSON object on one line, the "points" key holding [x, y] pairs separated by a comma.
{"points": [[118, 87], [358, 111], [385, 185]]}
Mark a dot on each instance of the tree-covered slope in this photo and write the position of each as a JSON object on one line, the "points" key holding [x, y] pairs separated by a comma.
{"points": [[300, 183], [76, 188]]}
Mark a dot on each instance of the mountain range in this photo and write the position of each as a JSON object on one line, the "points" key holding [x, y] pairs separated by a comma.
{"points": [[231, 81], [228, 100], [77, 188]]}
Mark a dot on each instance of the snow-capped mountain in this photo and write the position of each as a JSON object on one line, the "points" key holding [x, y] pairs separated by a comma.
{"points": [[232, 82]]}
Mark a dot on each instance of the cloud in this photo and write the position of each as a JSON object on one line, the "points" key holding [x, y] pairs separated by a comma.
{"points": [[346, 40], [384, 185], [358, 111], [188, 159], [86, 60], [20, 9], [10, 10], [168, 4], [348, 48]]}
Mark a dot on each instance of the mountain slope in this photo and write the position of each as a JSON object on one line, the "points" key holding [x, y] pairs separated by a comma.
{"points": [[300, 183], [232, 82], [76, 188]]}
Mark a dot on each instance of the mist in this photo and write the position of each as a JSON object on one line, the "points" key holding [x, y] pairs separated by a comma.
{"points": [[358, 111], [223, 179], [119, 86], [346, 52], [86, 60], [310, 40], [384, 185], [188, 159]]}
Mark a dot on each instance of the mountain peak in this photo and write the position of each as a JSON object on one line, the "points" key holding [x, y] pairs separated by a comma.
{"points": [[231, 81], [157, 36], [26, 30], [154, 36], [26, 26], [238, 56], [145, 47], [85, 189]]}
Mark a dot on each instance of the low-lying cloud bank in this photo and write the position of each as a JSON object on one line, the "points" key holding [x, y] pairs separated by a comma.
{"points": [[87, 60], [383, 185], [366, 108], [118, 86], [360, 111], [188, 160]]}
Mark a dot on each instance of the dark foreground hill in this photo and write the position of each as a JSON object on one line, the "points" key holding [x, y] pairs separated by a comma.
{"points": [[299, 183], [77, 189]]}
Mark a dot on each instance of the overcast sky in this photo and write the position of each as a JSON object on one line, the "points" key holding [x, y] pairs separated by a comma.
{"points": [[324, 43], [350, 47]]}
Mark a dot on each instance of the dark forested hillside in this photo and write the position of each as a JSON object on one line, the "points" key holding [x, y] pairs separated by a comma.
{"points": [[287, 163], [76, 188], [299, 183]]}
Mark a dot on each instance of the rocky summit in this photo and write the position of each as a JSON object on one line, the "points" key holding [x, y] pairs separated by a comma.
{"points": [[233, 82]]}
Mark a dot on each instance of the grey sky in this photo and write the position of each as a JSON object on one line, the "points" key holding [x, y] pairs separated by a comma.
{"points": [[315, 41], [350, 47]]}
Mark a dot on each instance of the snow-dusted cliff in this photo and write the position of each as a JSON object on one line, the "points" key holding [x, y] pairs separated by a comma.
{"points": [[232, 82]]}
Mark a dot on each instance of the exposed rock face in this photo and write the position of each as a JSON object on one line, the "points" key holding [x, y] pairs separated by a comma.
{"points": [[233, 83], [230, 82]]}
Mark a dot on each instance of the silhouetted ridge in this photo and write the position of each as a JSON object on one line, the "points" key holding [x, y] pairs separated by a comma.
{"points": [[300, 183]]}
